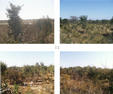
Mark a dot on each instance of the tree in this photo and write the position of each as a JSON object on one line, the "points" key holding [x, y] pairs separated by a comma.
{"points": [[37, 64], [111, 81], [73, 18], [15, 75], [3, 67], [64, 21], [111, 21], [14, 22], [45, 28], [51, 69], [83, 20]]}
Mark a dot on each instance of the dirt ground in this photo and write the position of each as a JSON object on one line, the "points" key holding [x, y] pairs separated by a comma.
{"points": [[39, 89]]}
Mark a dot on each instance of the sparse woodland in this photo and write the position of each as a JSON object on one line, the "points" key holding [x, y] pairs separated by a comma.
{"points": [[82, 30], [17, 30], [29, 79], [86, 80]]}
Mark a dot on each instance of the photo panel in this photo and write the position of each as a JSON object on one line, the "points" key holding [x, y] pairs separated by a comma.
{"points": [[27, 72], [84, 72], [86, 21], [27, 21]]}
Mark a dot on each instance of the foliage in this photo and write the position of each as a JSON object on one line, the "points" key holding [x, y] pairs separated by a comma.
{"points": [[33, 31], [14, 21], [111, 21], [28, 77], [83, 18], [17, 30], [86, 80], [45, 29], [83, 21], [16, 89], [3, 67], [83, 30]]}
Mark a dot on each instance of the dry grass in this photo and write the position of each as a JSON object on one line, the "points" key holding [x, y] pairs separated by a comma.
{"points": [[31, 33], [39, 89], [92, 33]]}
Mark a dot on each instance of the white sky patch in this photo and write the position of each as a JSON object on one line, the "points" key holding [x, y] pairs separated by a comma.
{"points": [[32, 9], [98, 59], [22, 58]]}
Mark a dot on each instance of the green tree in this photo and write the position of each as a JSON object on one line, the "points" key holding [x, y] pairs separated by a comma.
{"points": [[3, 67], [45, 28], [51, 69], [83, 20], [111, 21], [111, 81], [14, 22]]}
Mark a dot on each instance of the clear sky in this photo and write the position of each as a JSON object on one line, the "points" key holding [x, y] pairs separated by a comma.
{"points": [[94, 9], [98, 59], [32, 9], [26, 58]]}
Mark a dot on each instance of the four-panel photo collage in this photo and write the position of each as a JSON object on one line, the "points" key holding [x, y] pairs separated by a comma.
{"points": [[56, 46]]}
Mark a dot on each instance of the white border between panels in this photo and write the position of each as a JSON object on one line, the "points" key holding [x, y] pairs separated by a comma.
{"points": [[57, 73], [26, 47], [86, 47], [56, 49], [57, 22]]}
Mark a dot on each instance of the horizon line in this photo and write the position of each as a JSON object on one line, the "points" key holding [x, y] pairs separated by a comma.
{"points": [[26, 64], [88, 18], [86, 66]]}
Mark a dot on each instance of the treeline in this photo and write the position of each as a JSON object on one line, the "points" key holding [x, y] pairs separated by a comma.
{"points": [[19, 75], [75, 19], [86, 80], [38, 31]]}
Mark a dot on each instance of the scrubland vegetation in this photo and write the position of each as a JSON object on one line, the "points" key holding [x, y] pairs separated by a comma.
{"points": [[17, 30], [29, 79], [86, 80], [82, 30]]}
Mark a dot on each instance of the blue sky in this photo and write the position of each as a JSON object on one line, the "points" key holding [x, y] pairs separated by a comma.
{"points": [[32, 9], [95, 9], [98, 59], [26, 58]]}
